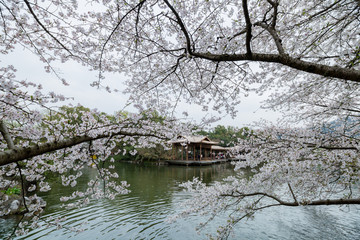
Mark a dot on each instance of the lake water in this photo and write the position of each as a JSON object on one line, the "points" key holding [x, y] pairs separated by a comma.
{"points": [[155, 195]]}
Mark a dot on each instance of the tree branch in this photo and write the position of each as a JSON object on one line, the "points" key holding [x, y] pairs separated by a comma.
{"points": [[292, 193], [274, 35], [44, 28], [182, 26], [22, 153], [248, 28], [339, 201], [139, 5], [333, 147], [334, 201], [286, 60], [282, 58], [4, 131], [275, 6]]}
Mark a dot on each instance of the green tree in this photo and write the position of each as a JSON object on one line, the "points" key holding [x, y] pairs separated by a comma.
{"points": [[226, 136]]}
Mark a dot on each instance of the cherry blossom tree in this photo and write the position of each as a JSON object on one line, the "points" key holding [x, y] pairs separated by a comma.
{"points": [[63, 142], [211, 53]]}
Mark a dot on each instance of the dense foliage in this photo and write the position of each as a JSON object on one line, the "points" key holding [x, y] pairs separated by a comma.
{"points": [[226, 136]]}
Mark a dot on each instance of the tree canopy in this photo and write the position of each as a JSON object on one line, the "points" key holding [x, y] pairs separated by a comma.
{"points": [[226, 136], [211, 53]]}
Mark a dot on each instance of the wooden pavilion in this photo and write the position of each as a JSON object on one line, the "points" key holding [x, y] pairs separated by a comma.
{"points": [[196, 149]]}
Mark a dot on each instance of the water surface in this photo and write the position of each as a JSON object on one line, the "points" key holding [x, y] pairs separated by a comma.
{"points": [[155, 195]]}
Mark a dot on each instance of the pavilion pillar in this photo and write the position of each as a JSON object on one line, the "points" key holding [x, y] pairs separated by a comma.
{"points": [[182, 152], [172, 152], [187, 152], [175, 153], [200, 152]]}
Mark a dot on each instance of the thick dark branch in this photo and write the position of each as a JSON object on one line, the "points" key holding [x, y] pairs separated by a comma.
{"points": [[137, 23], [274, 35], [237, 34], [245, 195], [282, 58], [248, 28], [339, 201], [22, 153], [333, 147], [182, 26], [286, 60], [23, 188], [274, 198], [334, 202], [5, 133], [274, 4]]}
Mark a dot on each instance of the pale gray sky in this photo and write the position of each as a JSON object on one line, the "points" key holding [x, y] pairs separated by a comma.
{"points": [[79, 77]]}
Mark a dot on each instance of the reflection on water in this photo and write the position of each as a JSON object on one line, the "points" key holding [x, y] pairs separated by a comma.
{"points": [[155, 195]]}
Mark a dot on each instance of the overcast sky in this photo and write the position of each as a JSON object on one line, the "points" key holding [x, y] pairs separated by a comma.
{"points": [[79, 77]]}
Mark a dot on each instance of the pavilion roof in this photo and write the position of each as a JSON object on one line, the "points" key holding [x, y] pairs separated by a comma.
{"points": [[193, 139], [220, 148]]}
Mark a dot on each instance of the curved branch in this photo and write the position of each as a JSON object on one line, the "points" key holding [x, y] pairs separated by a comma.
{"points": [[286, 60], [292, 193], [339, 201], [334, 201], [274, 35], [248, 28], [139, 5], [282, 58], [5, 133], [22, 153], [44, 28], [182, 26], [275, 14]]}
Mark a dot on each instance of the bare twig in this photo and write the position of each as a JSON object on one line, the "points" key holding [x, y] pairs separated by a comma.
{"points": [[292, 193]]}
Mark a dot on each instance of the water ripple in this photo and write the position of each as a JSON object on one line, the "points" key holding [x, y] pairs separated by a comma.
{"points": [[155, 195]]}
